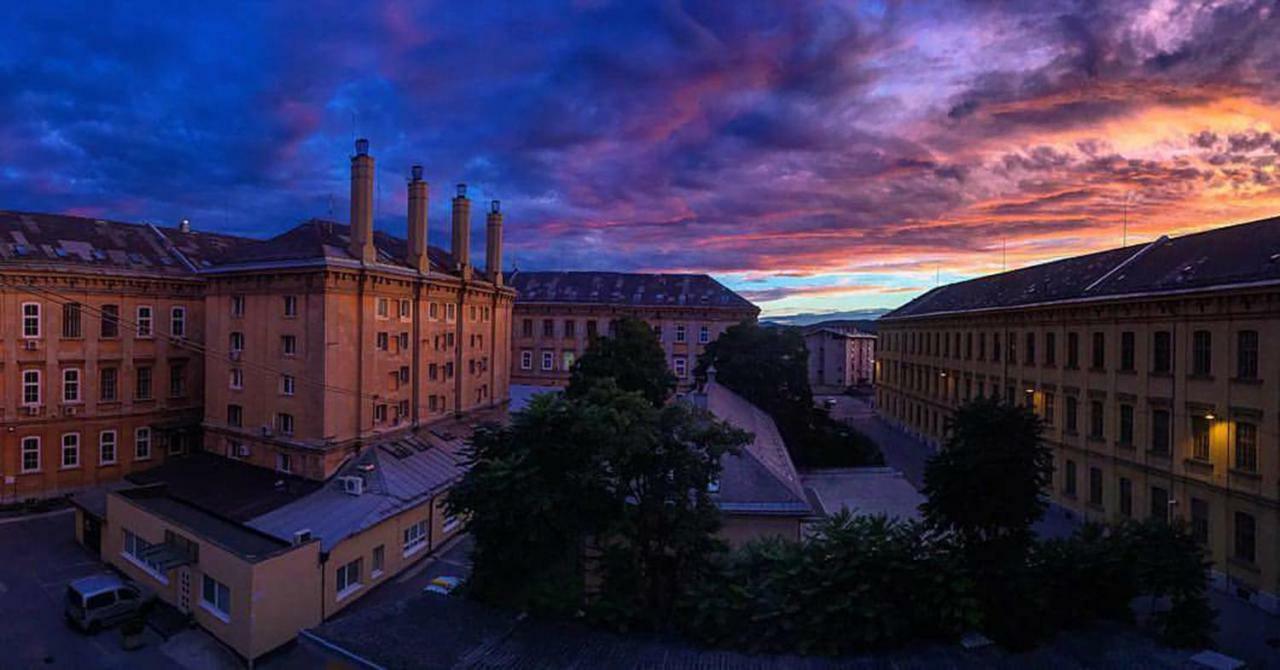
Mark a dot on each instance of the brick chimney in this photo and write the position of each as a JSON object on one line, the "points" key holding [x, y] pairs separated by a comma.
{"points": [[362, 204], [493, 243], [418, 258], [461, 231]]}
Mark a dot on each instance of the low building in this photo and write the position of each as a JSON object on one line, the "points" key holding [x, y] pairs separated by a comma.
{"points": [[1154, 367], [557, 313], [839, 358]]}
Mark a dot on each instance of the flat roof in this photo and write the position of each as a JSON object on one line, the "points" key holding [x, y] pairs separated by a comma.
{"points": [[226, 487], [204, 526]]}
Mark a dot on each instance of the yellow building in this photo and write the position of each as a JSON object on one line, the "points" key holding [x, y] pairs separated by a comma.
{"points": [[1154, 367]]}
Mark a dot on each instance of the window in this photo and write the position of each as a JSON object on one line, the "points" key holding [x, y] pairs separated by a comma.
{"points": [[526, 360], [1029, 356], [1096, 419], [379, 561], [681, 366], [1247, 354], [216, 597], [680, 332], [704, 335], [1048, 404], [142, 385], [1160, 504], [380, 413], [433, 311], [109, 326], [473, 312], [382, 341], [177, 380], [108, 384], [237, 378], [405, 309], [1069, 483], [548, 360], [1200, 520], [1072, 414], [71, 385], [71, 450], [548, 328], [178, 321], [347, 579], [450, 312], [237, 342], [237, 306], [1095, 486], [134, 548], [235, 416], [142, 443], [290, 306], [568, 358], [287, 384], [289, 344], [71, 320], [1050, 349], [1099, 351], [1160, 432], [526, 327], [1200, 435], [982, 346], [1246, 446], [1202, 353], [1246, 537], [1073, 350], [1126, 425], [995, 347], [657, 332], [450, 522], [30, 320], [384, 308], [284, 462], [415, 538], [433, 370], [403, 344], [284, 422], [1126, 497], [31, 454], [144, 321], [31, 387], [1162, 352], [570, 328], [1127, 351], [107, 447]]}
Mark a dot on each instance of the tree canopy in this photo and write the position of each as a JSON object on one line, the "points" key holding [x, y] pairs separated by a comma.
{"points": [[632, 356]]}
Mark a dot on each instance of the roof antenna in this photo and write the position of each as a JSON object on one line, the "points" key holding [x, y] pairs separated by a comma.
{"points": [[1004, 254], [1124, 236]]}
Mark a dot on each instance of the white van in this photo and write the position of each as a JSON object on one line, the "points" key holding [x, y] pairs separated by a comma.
{"points": [[102, 600]]}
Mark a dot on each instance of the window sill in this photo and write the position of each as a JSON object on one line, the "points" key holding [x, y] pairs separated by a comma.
{"points": [[1199, 378], [31, 472], [109, 464], [1098, 370], [1244, 564], [344, 593], [1160, 374], [145, 568], [141, 458], [215, 612], [1199, 463], [1122, 371], [1250, 381], [68, 467], [415, 549], [1160, 455], [376, 574], [1245, 474]]}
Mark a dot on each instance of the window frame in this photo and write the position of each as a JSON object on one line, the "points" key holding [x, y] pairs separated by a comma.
{"points": [[144, 326], [220, 610], [63, 452], [25, 449], [72, 388], [115, 447], [32, 324], [142, 438], [178, 321]]}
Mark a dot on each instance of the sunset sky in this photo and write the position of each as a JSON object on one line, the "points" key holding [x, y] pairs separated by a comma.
{"points": [[813, 155]]}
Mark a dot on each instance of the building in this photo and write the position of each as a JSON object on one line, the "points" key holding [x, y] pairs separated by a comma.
{"points": [[557, 314], [839, 358], [1150, 366]]}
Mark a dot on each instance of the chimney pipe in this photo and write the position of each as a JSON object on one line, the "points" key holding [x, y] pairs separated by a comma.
{"points": [[493, 243], [184, 226], [418, 189], [362, 204], [462, 231]]}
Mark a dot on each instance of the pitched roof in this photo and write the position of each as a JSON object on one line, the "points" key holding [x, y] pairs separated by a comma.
{"points": [[1232, 255], [642, 290], [762, 478]]}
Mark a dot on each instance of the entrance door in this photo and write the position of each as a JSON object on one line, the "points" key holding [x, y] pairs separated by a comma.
{"points": [[184, 590], [92, 534]]}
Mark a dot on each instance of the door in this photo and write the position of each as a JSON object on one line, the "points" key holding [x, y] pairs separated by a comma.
{"points": [[92, 534], [184, 590]]}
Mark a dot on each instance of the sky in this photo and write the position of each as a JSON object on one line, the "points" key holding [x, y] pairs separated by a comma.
{"points": [[814, 156]]}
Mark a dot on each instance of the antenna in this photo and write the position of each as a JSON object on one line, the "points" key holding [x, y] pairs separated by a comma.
{"points": [[1004, 254], [331, 200]]}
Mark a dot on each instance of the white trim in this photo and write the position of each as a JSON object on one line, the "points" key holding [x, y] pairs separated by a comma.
{"points": [[22, 454], [351, 588], [417, 547], [22, 311], [213, 609], [145, 568]]}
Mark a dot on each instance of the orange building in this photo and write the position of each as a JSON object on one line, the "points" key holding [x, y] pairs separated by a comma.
{"points": [[558, 313]]}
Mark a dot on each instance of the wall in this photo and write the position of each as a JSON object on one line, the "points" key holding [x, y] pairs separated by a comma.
{"points": [[739, 529]]}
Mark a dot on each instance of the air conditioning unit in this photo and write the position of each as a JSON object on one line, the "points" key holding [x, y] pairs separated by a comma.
{"points": [[69, 410], [30, 345], [235, 355], [301, 536], [31, 410], [352, 485]]}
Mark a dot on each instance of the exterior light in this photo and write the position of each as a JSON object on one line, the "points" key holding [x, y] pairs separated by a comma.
{"points": [[1210, 416], [1030, 391], [942, 374]]}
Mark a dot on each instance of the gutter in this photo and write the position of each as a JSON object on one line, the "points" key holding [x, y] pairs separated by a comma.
{"points": [[1126, 262], [172, 249]]}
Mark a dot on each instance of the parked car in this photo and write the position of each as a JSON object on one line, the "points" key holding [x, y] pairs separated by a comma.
{"points": [[443, 585], [99, 601]]}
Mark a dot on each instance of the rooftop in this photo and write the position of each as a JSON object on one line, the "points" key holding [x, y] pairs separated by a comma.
{"points": [[647, 290], [228, 488], [1240, 255], [866, 492], [234, 537]]}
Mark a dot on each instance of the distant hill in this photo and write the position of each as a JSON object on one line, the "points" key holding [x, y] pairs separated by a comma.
{"points": [[867, 316]]}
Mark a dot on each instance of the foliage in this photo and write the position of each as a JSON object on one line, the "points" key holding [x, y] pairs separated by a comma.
{"points": [[632, 356], [856, 583], [770, 368]]}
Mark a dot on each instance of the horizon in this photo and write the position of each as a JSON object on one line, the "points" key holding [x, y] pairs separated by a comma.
{"points": [[814, 159]]}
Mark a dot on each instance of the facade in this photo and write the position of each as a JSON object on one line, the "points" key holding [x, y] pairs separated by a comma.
{"points": [[839, 358], [1151, 367], [557, 314]]}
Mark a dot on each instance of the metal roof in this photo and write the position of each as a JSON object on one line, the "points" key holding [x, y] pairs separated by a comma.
{"points": [[623, 288]]}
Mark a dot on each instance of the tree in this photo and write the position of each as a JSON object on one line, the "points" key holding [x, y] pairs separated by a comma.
{"points": [[770, 368], [632, 356]]}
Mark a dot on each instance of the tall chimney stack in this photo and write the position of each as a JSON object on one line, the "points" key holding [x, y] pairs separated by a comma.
{"points": [[462, 231], [493, 243], [418, 257], [362, 204]]}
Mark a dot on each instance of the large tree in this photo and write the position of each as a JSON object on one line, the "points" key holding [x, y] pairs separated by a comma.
{"points": [[632, 356]]}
